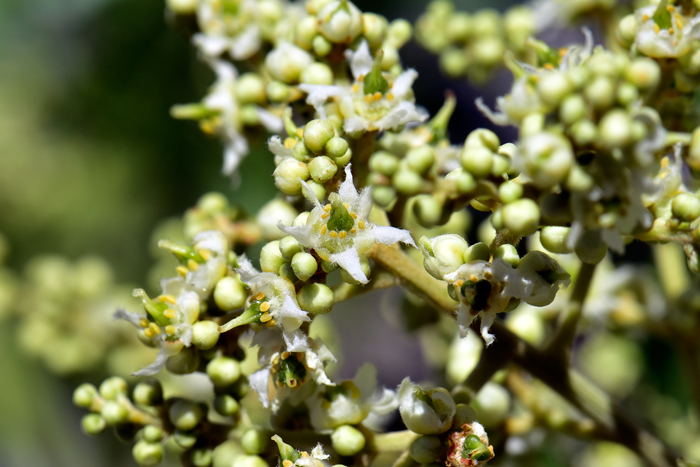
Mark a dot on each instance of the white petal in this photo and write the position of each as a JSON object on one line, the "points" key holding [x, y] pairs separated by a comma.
{"points": [[384, 401], [391, 235], [318, 94], [402, 114], [290, 309], [497, 118], [133, 318], [212, 240], [364, 203], [486, 322], [360, 60], [347, 191], [303, 233], [154, 367], [212, 46], [234, 151], [276, 147], [309, 194], [355, 124], [296, 341], [270, 121], [259, 382], [245, 44], [246, 269], [403, 84], [350, 261], [464, 320]]}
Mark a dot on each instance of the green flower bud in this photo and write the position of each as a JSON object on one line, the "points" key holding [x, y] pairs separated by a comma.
{"points": [[316, 298], [229, 294], [426, 449], [184, 440], [527, 325], [249, 115], [148, 393], [182, 7], [454, 62], [383, 195], [347, 440], [277, 91], [152, 433], [522, 217], [590, 247], [185, 414], [212, 203], [548, 158], [271, 258], [478, 251], [113, 387], [343, 160], [374, 29], [600, 92], [250, 89], [317, 73], [443, 254], [93, 424], [407, 182], [272, 213], [553, 87], [226, 405], [146, 453], [686, 207], [492, 404], [201, 457], [644, 73], [114, 413], [305, 31], [287, 61], [304, 265], [336, 147], [615, 129], [532, 124], [459, 26], [501, 166], [428, 210], [420, 159], [627, 93], [497, 219], [322, 169], [223, 371], [572, 109], [317, 133], [554, 239], [384, 162], [579, 179], [84, 395], [289, 246], [482, 137], [426, 412], [249, 461], [340, 21], [364, 264], [287, 272], [255, 441], [627, 30], [288, 174], [400, 32], [314, 6], [507, 253], [584, 132], [510, 191], [478, 160], [184, 362], [205, 334], [301, 152], [317, 189], [464, 181], [321, 45], [488, 51]]}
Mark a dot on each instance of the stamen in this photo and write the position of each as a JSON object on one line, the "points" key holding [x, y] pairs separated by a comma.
{"points": [[361, 78], [304, 454], [285, 355], [323, 229], [327, 207], [264, 306], [276, 360], [664, 162], [324, 215], [192, 264], [645, 18], [670, 31], [143, 322], [170, 330], [182, 270], [260, 296], [377, 96], [342, 234], [168, 298], [265, 317], [271, 323], [204, 253], [287, 463], [154, 328], [300, 133], [148, 333], [169, 313], [333, 233], [563, 51], [353, 215], [368, 98], [657, 29], [389, 97], [670, 8], [289, 143], [300, 356], [459, 283], [292, 384], [355, 87], [473, 278], [353, 230], [347, 206], [361, 224]]}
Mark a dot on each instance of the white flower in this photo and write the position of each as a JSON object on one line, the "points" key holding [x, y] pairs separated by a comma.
{"points": [[340, 231], [426, 412], [385, 109], [238, 34], [671, 42], [340, 21]]}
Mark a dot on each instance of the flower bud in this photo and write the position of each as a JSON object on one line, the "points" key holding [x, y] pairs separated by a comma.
{"points": [[114, 413], [205, 334], [477, 252], [426, 412], [249, 461], [644, 73], [305, 31], [271, 257], [314, 6], [317, 73], [510, 191], [93, 424], [407, 182], [428, 210], [288, 174], [522, 217], [527, 325], [254, 441], [152, 433], [443, 254], [425, 449], [554, 239], [482, 137], [317, 133], [507, 253], [182, 7], [553, 86], [383, 195], [304, 265], [492, 404], [316, 298], [400, 32], [347, 440], [600, 92], [420, 159], [287, 61], [459, 26], [374, 29], [148, 393], [686, 207], [548, 157], [584, 132], [271, 214], [454, 62], [226, 405], [84, 395], [184, 439], [113, 387], [147, 454], [572, 109], [185, 414], [627, 30], [478, 160], [321, 45], [322, 169], [229, 294], [340, 21], [615, 129], [184, 362], [336, 147], [384, 162], [201, 457], [464, 181], [590, 247], [223, 371], [277, 91], [250, 89]]}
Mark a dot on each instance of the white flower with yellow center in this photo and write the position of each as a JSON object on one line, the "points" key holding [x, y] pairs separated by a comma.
{"points": [[340, 232], [664, 32], [374, 101]]}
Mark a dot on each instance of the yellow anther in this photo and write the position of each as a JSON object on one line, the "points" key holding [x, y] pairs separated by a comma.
{"points": [[645, 17], [324, 215], [353, 215], [287, 463], [368, 98], [355, 88], [260, 296], [273, 370], [276, 360], [168, 298], [264, 306], [169, 313], [265, 317], [323, 229], [488, 275], [347, 206], [670, 8], [154, 328], [170, 330], [343, 234], [192, 264], [148, 333], [391, 84], [327, 207], [679, 22], [563, 51], [663, 175], [361, 78], [300, 356], [143, 322], [459, 283], [300, 133], [549, 66], [353, 230], [182, 270], [657, 29], [664, 162], [285, 355], [304, 454], [271, 323], [289, 143], [390, 96], [361, 224], [206, 254], [473, 278], [333, 233], [207, 127], [377, 96], [670, 31]]}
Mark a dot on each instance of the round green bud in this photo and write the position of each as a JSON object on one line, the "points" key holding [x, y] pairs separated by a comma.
{"points": [[420, 159], [277, 91], [425, 449], [223, 371], [584, 132], [182, 363], [212, 203], [464, 181], [579, 179], [248, 115], [289, 246], [317, 133], [148, 393], [301, 152], [685, 207], [328, 267], [482, 137], [627, 93], [644, 73], [269, 217], [249, 461], [114, 413], [478, 160], [627, 30], [184, 440], [316, 298], [501, 165], [322, 169], [304, 265], [287, 272], [271, 257], [152, 433], [84, 395], [347, 440], [459, 26], [572, 109], [321, 45], [201, 457], [146, 453], [454, 62], [113, 387], [507, 253], [615, 129], [590, 247], [255, 441], [205, 334], [317, 73], [553, 86], [185, 414], [226, 405], [492, 404], [304, 32], [488, 51], [364, 264], [639, 130], [250, 89], [384, 162], [477, 252], [428, 210], [510, 191], [522, 217], [93, 424], [317, 189], [229, 294], [600, 92], [374, 29], [407, 182], [288, 175], [182, 7], [345, 159], [287, 61], [497, 219], [340, 21], [336, 147], [383, 195], [554, 239], [400, 32]]}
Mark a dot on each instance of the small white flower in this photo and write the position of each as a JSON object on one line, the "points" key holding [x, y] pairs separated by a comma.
{"points": [[672, 42], [238, 34], [426, 412], [340, 231], [340, 21]]}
